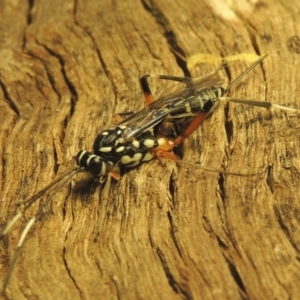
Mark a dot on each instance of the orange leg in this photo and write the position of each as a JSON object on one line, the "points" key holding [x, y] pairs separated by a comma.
{"points": [[157, 152], [146, 90], [115, 175], [148, 98], [118, 118], [167, 145], [197, 121]]}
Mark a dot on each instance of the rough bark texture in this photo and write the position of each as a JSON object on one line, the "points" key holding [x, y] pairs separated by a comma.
{"points": [[165, 231]]}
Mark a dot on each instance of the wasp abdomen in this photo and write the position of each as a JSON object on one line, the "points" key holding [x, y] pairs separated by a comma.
{"points": [[200, 101]]}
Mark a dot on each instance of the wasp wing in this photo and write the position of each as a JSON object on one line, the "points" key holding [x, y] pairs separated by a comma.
{"points": [[158, 111]]}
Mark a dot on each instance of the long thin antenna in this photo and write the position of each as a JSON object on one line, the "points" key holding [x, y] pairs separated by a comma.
{"points": [[30, 201], [245, 73], [66, 176]]}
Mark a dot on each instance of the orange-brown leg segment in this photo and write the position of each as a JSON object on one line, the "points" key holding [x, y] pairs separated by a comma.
{"points": [[197, 121], [165, 149], [118, 118], [146, 90], [115, 175], [158, 152]]}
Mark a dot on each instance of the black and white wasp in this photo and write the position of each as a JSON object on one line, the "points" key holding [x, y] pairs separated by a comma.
{"points": [[139, 138]]}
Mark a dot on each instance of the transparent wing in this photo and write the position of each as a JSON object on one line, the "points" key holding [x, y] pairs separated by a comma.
{"points": [[170, 100]]}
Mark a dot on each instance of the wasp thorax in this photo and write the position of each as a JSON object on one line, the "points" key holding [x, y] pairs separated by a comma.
{"points": [[107, 140]]}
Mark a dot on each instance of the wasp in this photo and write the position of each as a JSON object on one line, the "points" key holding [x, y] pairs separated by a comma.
{"points": [[138, 138]]}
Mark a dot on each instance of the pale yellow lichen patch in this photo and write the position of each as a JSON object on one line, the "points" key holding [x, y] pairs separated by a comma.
{"points": [[227, 9], [198, 58]]}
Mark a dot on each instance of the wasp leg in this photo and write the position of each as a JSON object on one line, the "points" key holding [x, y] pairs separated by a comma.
{"points": [[166, 146], [105, 190], [146, 88], [164, 152], [168, 155], [119, 117], [115, 175], [196, 122]]}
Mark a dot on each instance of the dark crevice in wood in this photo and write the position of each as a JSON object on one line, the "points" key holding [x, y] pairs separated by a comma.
{"points": [[172, 281], [71, 86], [48, 73], [8, 99], [250, 28], [3, 179], [227, 70], [233, 270], [168, 33], [75, 10], [29, 21], [228, 124], [172, 188], [222, 189], [55, 156], [29, 15], [237, 278], [173, 227], [221, 243], [265, 80], [52, 81], [207, 225], [269, 178], [70, 273], [254, 43], [64, 208]]}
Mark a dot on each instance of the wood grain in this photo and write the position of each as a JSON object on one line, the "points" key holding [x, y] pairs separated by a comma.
{"points": [[166, 231]]}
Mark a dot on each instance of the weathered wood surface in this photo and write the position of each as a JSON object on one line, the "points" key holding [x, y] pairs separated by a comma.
{"points": [[166, 231]]}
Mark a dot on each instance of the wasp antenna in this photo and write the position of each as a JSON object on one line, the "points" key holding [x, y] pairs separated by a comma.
{"points": [[234, 82], [66, 176], [282, 107], [10, 224], [35, 197], [259, 103], [72, 171], [16, 254], [209, 169], [19, 214], [246, 101]]}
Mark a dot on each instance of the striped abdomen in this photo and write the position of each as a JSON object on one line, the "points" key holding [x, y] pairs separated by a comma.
{"points": [[204, 100]]}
